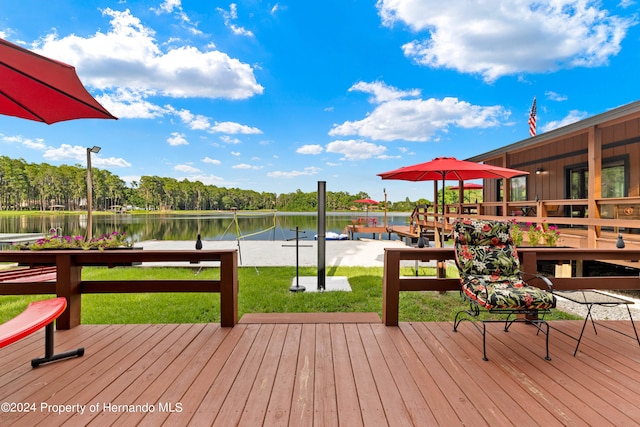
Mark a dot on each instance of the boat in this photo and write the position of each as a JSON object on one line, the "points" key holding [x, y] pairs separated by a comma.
{"points": [[333, 236]]}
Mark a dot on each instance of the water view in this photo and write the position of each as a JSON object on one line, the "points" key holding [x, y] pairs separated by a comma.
{"points": [[210, 225]]}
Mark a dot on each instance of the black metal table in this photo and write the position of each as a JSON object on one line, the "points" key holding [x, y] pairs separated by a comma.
{"points": [[590, 298], [528, 210]]}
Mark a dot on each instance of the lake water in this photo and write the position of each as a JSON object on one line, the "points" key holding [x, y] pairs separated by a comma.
{"points": [[210, 225]]}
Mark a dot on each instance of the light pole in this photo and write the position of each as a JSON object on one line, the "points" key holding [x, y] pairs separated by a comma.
{"points": [[384, 190], [94, 149]]}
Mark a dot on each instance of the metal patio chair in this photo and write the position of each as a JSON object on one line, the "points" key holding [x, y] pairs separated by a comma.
{"points": [[491, 279]]}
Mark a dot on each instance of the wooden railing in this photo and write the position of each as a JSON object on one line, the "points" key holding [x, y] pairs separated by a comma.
{"points": [[393, 283], [69, 283], [611, 212]]}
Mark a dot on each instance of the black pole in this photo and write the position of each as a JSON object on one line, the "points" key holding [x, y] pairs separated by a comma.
{"points": [[297, 287], [443, 218], [322, 225]]}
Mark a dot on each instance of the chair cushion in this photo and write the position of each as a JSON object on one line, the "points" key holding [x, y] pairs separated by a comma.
{"points": [[490, 269], [485, 248], [507, 294]]}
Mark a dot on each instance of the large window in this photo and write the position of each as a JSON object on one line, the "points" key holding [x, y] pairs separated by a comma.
{"points": [[518, 190], [614, 183], [614, 179]]}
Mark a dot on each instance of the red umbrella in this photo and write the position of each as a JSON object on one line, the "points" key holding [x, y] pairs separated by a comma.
{"points": [[449, 168], [38, 88], [467, 186], [368, 202]]}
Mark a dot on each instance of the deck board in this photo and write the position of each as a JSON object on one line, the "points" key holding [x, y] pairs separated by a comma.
{"points": [[257, 398], [394, 407], [279, 408], [327, 373], [346, 390]]}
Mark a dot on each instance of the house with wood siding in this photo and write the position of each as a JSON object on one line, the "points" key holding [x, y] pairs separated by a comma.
{"points": [[583, 177]]}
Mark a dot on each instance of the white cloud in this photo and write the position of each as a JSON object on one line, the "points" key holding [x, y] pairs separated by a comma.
{"points": [[79, 154], [572, 117], [168, 6], [129, 179], [177, 138], [382, 92], [396, 118], [130, 104], [235, 153], [35, 144], [195, 122], [232, 15], [75, 153], [246, 166], [553, 96], [355, 150], [211, 161], [494, 38], [200, 122], [228, 140], [186, 168], [310, 149], [312, 170], [129, 57], [207, 179], [110, 162], [233, 128]]}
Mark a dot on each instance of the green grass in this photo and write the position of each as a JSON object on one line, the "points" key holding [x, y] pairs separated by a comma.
{"points": [[261, 290]]}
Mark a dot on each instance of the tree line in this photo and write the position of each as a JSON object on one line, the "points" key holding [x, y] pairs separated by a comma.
{"points": [[31, 186]]}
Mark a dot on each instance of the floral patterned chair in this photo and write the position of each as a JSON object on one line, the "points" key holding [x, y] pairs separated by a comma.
{"points": [[491, 279]]}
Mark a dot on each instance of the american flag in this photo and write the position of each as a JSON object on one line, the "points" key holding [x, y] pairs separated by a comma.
{"points": [[532, 118]]}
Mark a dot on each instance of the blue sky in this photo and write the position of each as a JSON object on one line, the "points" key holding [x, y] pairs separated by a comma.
{"points": [[278, 95]]}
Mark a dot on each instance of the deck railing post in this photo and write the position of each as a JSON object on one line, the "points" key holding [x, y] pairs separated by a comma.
{"points": [[391, 288], [529, 262], [68, 285], [229, 289]]}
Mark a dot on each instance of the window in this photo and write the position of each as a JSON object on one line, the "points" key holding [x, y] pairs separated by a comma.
{"points": [[518, 189], [614, 179]]}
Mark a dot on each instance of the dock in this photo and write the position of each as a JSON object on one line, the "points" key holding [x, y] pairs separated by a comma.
{"points": [[9, 238]]}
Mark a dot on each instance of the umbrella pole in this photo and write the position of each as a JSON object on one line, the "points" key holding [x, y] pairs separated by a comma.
{"points": [[443, 218], [442, 269]]}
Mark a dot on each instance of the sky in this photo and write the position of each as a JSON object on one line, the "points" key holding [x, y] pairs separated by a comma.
{"points": [[278, 95]]}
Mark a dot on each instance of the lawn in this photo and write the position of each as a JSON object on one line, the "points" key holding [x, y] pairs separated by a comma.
{"points": [[261, 290]]}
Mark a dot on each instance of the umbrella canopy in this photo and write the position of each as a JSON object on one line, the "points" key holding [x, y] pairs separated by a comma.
{"points": [[367, 201], [467, 186], [449, 169], [38, 88]]}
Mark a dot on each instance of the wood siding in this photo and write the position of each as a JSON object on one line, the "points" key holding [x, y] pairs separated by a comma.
{"points": [[619, 140]]}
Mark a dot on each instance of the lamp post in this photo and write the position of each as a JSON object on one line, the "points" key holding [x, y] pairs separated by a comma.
{"points": [[384, 190], [94, 149]]}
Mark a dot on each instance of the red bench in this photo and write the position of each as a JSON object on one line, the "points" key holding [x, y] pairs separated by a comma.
{"points": [[35, 274], [37, 315]]}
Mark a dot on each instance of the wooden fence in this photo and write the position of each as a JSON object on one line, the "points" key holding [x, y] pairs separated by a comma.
{"points": [[394, 283], [69, 283]]}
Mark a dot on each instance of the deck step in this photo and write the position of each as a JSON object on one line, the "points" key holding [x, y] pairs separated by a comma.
{"points": [[310, 318]]}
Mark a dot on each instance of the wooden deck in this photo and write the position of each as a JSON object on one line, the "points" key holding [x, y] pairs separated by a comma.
{"points": [[318, 371]]}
